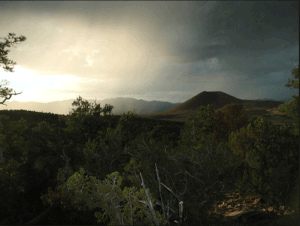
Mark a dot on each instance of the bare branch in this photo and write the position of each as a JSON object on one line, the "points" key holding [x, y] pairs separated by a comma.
{"points": [[194, 177], [131, 213], [159, 188], [8, 96], [180, 207], [149, 202]]}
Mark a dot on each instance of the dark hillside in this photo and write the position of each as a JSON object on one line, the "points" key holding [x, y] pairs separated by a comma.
{"points": [[217, 99], [253, 108], [31, 116], [251, 104], [122, 105], [142, 125]]}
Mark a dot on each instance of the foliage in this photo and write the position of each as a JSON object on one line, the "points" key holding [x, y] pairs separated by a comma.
{"points": [[13, 138], [145, 152], [292, 107], [220, 123], [49, 144], [112, 156], [102, 157], [9, 41], [85, 108], [13, 186], [108, 194], [127, 127], [5, 92], [18, 177], [197, 128], [268, 156], [294, 84], [85, 121], [205, 158], [229, 119], [32, 117], [190, 172]]}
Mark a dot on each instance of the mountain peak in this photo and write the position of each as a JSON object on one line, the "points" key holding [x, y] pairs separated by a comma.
{"points": [[217, 99]]}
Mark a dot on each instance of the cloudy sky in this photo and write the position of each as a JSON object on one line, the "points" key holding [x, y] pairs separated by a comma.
{"points": [[165, 51]]}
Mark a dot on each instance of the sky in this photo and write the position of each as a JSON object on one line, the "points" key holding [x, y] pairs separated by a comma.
{"points": [[164, 51]]}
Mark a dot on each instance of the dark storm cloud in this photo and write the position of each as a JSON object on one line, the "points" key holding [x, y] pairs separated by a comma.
{"points": [[242, 34], [237, 33]]}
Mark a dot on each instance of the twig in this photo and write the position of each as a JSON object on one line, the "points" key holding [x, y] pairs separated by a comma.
{"points": [[194, 177], [159, 187], [180, 208], [149, 202], [131, 214]]}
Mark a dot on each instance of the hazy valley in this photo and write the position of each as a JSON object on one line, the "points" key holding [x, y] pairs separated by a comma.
{"points": [[120, 105]]}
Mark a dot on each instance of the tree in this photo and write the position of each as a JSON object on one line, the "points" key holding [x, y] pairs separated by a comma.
{"points": [[88, 120], [5, 92], [119, 205], [229, 119], [267, 160], [198, 127], [221, 123], [292, 107]]}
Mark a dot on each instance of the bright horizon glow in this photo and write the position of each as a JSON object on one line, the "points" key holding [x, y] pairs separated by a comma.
{"points": [[46, 88]]}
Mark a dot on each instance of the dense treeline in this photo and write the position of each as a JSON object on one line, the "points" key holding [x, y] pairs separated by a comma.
{"points": [[33, 144], [32, 117], [162, 127], [91, 167]]}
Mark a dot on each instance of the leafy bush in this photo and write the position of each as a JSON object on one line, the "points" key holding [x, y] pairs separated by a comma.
{"points": [[269, 158]]}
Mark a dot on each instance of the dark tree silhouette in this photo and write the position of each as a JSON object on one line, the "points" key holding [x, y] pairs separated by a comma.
{"points": [[8, 65]]}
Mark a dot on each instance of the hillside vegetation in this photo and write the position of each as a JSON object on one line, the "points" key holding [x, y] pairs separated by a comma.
{"points": [[91, 167], [266, 109]]}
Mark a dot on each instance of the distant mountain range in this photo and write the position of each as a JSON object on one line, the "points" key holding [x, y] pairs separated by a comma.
{"points": [[281, 100], [120, 105], [217, 98]]}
